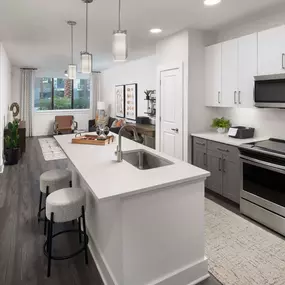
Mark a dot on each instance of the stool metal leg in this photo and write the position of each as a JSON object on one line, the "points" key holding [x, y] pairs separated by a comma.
{"points": [[45, 229], [40, 206], [49, 245], [85, 235], [79, 229]]}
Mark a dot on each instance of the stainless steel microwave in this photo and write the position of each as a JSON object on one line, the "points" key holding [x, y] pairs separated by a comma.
{"points": [[269, 91]]}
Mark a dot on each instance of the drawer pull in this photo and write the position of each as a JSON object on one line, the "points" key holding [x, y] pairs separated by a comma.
{"points": [[223, 150], [199, 143]]}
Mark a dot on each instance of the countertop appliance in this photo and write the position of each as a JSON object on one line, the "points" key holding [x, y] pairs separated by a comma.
{"points": [[240, 132], [263, 183], [269, 91]]}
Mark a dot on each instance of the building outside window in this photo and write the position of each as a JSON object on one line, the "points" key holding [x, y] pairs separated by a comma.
{"points": [[62, 94]]}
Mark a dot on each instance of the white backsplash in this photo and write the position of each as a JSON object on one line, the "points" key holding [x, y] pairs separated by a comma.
{"points": [[267, 122]]}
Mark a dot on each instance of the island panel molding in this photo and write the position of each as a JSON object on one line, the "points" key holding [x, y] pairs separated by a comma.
{"points": [[120, 100], [131, 97]]}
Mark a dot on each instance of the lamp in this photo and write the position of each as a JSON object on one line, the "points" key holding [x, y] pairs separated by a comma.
{"points": [[86, 57], [120, 44], [72, 69], [100, 105]]}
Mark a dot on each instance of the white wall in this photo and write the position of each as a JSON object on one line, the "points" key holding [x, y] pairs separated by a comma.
{"points": [[5, 95], [141, 71], [268, 122]]}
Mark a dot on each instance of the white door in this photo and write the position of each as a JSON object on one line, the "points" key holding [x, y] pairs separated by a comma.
{"points": [[247, 69], [230, 73], [171, 135], [213, 76], [271, 51]]}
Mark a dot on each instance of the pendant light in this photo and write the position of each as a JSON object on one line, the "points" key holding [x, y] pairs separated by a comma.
{"points": [[120, 46], [72, 69], [86, 57]]}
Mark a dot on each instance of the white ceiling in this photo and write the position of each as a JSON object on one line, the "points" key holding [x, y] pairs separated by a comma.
{"points": [[35, 34]]}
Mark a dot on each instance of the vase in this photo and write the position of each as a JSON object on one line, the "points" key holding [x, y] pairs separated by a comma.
{"points": [[221, 130]]}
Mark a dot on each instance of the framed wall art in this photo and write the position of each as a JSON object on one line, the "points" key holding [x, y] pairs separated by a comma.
{"points": [[131, 101], [120, 100]]}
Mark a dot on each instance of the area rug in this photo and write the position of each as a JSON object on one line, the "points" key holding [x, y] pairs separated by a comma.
{"points": [[51, 150], [241, 253]]}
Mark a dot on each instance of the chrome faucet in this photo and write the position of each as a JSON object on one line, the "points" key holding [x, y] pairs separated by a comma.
{"points": [[119, 146]]}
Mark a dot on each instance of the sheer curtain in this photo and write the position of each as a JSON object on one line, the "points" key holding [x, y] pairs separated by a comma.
{"points": [[27, 95]]}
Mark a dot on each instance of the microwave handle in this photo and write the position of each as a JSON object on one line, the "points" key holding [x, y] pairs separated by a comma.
{"points": [[263, 164]]}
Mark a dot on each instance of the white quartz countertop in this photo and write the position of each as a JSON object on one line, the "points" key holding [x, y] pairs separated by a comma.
{"points": [[224, 138], [108, 178]]}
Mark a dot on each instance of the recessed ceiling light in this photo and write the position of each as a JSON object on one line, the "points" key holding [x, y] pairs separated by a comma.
{"points": [[211, 2], [156, 31]]}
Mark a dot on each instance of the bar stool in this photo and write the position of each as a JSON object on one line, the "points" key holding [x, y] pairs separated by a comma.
{"points": [[62, 206], [51, 181]]}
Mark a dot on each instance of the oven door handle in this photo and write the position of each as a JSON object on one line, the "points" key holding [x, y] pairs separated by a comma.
{"points": [[263, 164]]}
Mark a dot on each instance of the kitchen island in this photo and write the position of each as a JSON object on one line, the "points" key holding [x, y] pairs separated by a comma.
{"points": [[145, 227]]}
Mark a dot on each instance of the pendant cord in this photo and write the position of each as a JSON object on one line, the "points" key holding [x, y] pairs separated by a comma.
{"points": [[71, 44], [119, 15], [86, 25]]}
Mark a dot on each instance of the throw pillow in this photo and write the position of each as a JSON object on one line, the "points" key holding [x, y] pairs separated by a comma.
{"points": [[114, 124]]}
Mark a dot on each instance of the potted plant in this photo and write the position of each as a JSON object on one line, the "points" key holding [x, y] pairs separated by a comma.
{"points": [[12, 139], [221, 124]]}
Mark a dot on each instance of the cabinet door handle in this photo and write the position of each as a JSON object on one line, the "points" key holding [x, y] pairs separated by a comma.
{"points": [[223, 150], [235, 97], [219, 97], [224, 165], [220, 164], [205, 159], [283, 54], [239, 98]]}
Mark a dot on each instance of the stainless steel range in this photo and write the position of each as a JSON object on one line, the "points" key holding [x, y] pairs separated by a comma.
{"points": [[263, 183]]}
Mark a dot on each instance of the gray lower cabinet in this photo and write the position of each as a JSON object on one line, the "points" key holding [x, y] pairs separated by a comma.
{"points": [[223, 162], [214, 162], [231, 179]]}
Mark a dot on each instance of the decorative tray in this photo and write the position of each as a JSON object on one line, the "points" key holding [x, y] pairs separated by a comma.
{"points": [[92, 139]]}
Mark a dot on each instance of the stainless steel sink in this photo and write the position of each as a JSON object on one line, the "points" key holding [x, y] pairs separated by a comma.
{"points": [[143, 160]]}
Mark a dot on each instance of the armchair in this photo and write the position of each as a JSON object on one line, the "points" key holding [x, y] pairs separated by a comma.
{"points": [[64, 125]]}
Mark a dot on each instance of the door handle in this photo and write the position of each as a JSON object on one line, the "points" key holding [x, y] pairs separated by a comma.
{"points": [[235, 97], [283, 54], [205, 159], [175, 130], [224, 165], [239, 98], [220, 164], [219, 95]]}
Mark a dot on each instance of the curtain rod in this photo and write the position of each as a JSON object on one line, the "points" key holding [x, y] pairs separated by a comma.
{"points": [[28, 68]]}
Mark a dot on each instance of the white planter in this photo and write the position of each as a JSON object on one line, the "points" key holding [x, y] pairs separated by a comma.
{"points": [[221, 130]]}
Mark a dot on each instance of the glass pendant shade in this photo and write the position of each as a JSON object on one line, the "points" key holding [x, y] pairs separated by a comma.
{"points": [[72, 71], [86, 62], [120, 47]]}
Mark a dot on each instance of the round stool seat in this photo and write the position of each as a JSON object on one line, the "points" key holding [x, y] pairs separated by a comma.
{"points": [[55, 179], [66, 204]]}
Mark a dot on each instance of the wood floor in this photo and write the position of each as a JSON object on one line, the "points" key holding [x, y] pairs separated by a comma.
{"points": [[22, 261]]}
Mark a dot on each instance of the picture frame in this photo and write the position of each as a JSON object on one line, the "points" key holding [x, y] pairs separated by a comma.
{"points": [[120, 101], [131, 97]]}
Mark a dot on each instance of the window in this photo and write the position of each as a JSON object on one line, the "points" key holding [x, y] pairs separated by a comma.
{"points": [[62, 94]]}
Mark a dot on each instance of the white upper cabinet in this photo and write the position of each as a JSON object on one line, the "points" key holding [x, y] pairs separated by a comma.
{"points": [[230, 73], [230, 70], [247, 69], [213, 75], [271, 51]]}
